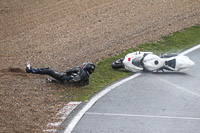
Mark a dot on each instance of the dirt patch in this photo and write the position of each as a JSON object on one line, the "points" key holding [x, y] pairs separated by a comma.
{"points": [[65, 33]]}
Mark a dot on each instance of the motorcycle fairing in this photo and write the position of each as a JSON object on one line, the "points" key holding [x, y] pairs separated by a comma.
{"points": [[179, 63], [183, 63]]}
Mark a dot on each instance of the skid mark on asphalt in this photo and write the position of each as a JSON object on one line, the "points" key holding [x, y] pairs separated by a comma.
{"points": [[179, 87], [144, 116]]}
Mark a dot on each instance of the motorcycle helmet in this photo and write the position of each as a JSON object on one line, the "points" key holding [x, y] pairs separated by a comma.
{"points": [[88, 67]]}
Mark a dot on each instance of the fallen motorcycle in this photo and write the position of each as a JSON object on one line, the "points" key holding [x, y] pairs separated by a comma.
{"points": [[147, 61]]}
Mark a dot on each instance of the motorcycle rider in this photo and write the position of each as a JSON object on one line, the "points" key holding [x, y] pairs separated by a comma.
{"points": [[77, 75]]}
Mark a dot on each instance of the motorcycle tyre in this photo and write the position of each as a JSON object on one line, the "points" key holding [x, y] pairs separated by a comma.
{"points": [[118, 64]]}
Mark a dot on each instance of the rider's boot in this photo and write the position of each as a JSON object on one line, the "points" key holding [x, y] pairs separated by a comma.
{"points": [[29, 68]]}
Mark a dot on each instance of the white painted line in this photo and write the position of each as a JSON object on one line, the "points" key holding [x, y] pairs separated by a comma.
{"points": [[76, 119], [145, 116], [190, 50]]}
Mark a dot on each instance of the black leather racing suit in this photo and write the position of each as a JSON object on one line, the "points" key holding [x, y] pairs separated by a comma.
{"points": [[79, 75], [75, 75]]}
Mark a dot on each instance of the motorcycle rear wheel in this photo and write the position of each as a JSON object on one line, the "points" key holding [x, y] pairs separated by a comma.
{"points": [[118, 64]]}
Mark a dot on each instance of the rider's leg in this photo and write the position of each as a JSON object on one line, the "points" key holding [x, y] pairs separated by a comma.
{"points": [[46, 71], [60, 76]]}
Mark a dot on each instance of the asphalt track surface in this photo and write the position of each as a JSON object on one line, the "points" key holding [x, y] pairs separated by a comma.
{"points": [[150, 103]]}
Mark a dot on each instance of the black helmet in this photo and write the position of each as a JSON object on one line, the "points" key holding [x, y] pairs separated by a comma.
{"points": [[88, 67]]}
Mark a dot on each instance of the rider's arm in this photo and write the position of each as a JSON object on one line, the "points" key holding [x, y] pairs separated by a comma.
{"points": [[72, 70], [82, 77]]}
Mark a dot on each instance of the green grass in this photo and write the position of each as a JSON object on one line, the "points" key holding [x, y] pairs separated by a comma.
{"points": [[104, 74]]}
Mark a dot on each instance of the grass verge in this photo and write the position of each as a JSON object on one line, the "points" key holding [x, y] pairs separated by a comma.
{"points": [[104, 74]]}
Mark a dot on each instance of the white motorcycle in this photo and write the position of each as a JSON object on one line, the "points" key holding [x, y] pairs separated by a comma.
{"points": [[147, 61]]}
